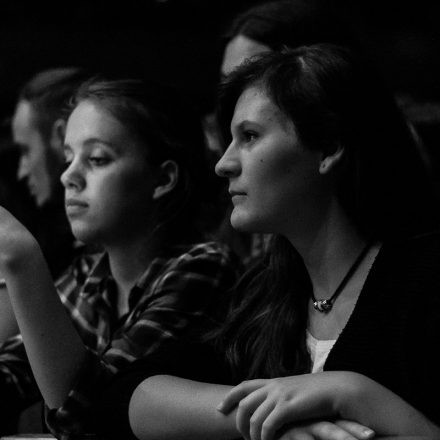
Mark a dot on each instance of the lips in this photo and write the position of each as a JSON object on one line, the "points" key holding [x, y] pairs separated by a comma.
{"points": [[237, 196], [75, 202], [75, 207], [236, 193]]}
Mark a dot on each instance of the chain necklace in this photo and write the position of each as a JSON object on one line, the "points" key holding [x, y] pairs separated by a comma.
{"points": [[325, 305]]}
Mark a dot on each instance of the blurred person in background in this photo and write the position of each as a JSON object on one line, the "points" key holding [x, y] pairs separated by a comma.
{"points": [[14, 196], [274, 25], [36, 150], [38, 126], [37, 129]]}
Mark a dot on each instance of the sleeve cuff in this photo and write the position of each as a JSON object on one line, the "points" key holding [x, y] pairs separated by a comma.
{"points": [[73, 417]]}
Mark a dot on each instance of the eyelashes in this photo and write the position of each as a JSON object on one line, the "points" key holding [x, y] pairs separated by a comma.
{"points": [[98, 161], [250, 136], [94, 161]]}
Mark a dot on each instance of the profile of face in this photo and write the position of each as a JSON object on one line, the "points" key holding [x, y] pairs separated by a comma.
{"points": [[275, 182], [109, 183], [239, 49], [34, 162]]}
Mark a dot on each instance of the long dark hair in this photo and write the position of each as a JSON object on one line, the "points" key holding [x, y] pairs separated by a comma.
{"points": [[334, 100], [163, 120]]}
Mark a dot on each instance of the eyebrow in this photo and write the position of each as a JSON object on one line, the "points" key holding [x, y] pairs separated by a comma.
{"points": [[244, 122], [90, 142]]}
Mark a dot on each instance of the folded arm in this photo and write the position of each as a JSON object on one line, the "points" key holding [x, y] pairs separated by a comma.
{"points": [[166, 407], [267, 405], [172, 408]]}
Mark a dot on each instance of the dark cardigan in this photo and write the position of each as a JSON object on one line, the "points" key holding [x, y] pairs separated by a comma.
{"points": [[392, 337], [393, 333]]}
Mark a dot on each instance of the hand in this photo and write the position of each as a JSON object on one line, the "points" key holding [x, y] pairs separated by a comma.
{"points": [[323, 430], [16, 242], [266, 405]]}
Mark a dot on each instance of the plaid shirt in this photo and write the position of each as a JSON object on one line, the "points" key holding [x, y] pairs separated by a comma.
{"points": [[183, 293]]}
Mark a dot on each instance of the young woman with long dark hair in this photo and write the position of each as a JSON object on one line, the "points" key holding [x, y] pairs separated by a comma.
{"points": [[340, 320], [272, 26]]}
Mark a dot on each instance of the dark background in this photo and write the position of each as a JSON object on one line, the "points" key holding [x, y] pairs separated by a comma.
{"points": [[178, 40]]}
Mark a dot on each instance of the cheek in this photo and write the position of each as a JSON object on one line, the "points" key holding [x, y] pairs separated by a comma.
{"points": [[38, 163], [40, 172], [268, 171], [38, 150], [34, 161], [130, 191], [288, 179]]}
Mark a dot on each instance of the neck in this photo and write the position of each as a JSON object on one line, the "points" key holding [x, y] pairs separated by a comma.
{"points": [[328, 248], [129, 262]]}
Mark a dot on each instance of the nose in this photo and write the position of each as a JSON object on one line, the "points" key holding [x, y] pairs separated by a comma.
{"points": [[229, 164], [73, 176], [23, 168]]}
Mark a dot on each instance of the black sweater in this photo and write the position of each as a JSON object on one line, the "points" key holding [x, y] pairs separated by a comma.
{"points": [[392, 337], [393, 333]]}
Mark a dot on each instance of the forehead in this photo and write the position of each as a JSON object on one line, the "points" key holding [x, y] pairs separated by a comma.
{"points": [[254, 105], [239, 49], [24, 118], [92, 123], [89, 119]]}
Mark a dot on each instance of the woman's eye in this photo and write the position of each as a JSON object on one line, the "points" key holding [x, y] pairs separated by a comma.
{"points": [[250, 136], [98, 160]]}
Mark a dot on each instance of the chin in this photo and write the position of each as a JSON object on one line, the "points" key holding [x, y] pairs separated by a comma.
{"points": [[84, 234], [241, 223], [252, 224]]}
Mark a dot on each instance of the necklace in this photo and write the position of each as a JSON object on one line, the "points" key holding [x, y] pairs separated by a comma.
{"points": [[325, 305]]}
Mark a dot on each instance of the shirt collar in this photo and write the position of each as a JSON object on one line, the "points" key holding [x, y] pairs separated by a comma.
{"points": [[98, 276]]}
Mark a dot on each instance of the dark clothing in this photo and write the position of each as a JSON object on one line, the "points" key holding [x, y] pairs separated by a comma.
{"points": [[391, 337], [392, 334], [198, 362], [182, 294]]}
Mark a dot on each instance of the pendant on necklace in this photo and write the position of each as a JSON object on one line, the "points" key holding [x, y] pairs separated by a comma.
{"points": [[323, 305]]}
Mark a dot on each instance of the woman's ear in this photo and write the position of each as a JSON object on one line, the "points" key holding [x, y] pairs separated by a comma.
{"points": [[57, 136], [167, 178], [329, 161]]}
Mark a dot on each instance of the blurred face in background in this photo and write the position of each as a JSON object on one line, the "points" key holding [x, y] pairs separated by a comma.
{"points": [[239, 49], [34, 162]]}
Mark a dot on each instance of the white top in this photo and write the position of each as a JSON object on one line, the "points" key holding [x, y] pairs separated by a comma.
{"points": [[318, 350]]}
